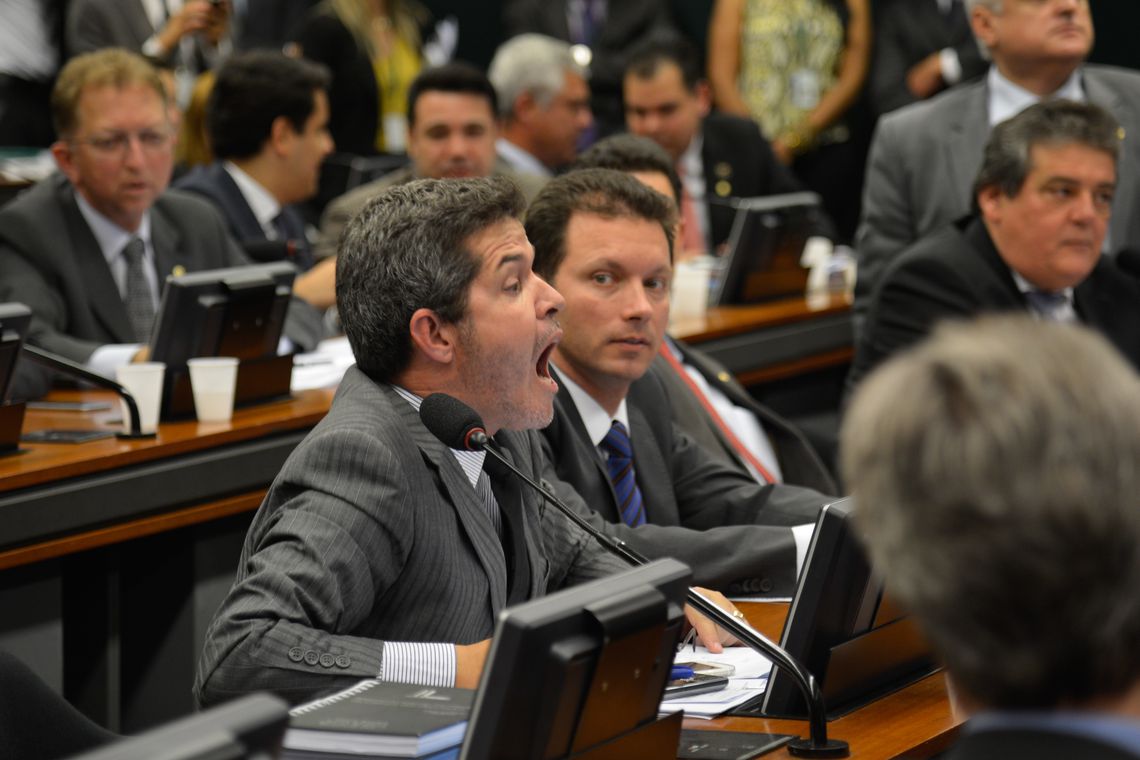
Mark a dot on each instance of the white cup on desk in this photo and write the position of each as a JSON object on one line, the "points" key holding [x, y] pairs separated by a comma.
{"points": [[144, 382], [213, 381]]}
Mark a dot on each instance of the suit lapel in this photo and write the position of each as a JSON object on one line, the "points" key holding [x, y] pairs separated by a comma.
{"points": [[963, 149], [653, 472], [236, 207], [169, 258], [578, 432], [106, 303], [508, 493], [472, 517]]}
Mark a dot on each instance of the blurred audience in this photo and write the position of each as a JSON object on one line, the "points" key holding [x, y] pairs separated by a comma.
{"points": [[797, 67], [29, 59]]}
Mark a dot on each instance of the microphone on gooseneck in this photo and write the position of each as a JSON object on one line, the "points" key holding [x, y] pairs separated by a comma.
{"points": [[459, 426]]}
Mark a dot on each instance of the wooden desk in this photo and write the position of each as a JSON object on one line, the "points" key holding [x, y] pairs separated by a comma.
{"points": [[776, 340], [115, 553], [917, 721]]}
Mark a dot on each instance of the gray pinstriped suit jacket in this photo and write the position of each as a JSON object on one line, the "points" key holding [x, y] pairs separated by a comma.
{"points": [[372, 532]]}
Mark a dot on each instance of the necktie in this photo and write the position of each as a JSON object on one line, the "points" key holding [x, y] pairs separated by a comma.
{"points": [[140, 306], [289, 230], [619, 466], [692, 240], [1048, 306], [725, 430], [490, 504]]}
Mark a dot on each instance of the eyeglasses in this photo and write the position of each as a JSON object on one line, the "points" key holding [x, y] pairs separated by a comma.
{"points": [[118, 143]]}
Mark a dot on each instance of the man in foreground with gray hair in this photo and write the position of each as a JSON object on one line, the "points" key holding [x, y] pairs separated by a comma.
{"points": [[924, 157], [1043, 201], [996, 468], [544, 103]]}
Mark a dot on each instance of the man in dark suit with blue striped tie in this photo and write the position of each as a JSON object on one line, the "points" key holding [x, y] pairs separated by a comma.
{"points": [[604, 240]]}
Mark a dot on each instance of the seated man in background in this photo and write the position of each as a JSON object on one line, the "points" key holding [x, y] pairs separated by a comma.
{"points": [[605, 241], [705, 399], [718, 157], [89, 249], [452, 128], [544, 103], [1043, 200], [996, 468], [378, 551], [267, 119]]}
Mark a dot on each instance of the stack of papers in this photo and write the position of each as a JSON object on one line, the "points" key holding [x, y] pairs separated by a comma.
{"points": [[748, 681]]}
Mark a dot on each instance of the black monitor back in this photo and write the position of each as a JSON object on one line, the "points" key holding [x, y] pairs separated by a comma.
{"points": [[762, 258], [574, 669], [237, 311]]}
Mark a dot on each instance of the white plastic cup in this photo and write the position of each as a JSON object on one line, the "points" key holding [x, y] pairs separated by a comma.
{"points": [[144, 381], [213, 379]]}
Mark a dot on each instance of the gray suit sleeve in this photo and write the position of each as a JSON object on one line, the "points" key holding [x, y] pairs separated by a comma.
{"points": [[888, 224]]}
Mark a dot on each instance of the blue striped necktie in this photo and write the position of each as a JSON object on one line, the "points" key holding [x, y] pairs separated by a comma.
{"points": [[619, 466]]}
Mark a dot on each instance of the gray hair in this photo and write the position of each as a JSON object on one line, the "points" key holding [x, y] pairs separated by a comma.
{"points": [[997, 471], [531, 63], [407, 250], [993, 5], [1006, 161]]}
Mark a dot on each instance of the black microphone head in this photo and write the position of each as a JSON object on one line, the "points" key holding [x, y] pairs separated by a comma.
{"points": [[453, 422], [1128, 259]]}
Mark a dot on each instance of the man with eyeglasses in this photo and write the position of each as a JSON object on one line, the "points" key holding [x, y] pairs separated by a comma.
{"points": [[89, 249]]}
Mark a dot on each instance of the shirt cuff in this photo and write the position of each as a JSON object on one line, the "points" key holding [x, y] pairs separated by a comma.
{"points": [[802, 535], [152, 48], [951, 66], [423, 663], [107, 358]]}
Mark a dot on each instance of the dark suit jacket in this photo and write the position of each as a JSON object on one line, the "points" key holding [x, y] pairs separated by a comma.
{"points": [[50, 260], [957, 273], [1039, 745], [906, 32], [683, 485], [372, 532], [799, 462], [739, 163], [216, 185]]}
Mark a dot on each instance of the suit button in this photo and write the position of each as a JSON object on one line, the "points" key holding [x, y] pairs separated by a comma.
{"points": [[327, 660], [296, 654], [312, 658], [765, 585], [342, 661]]}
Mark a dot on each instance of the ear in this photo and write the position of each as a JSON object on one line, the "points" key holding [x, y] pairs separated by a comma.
{"points": [[281, 135], [523, 108], [704, 97], [990, 202], [61, 152], [981, 21], [433, 337]]}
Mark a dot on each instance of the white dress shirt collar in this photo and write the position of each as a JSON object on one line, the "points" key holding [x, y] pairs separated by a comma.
{"points": [[261, 202], [520, 160], [110, 236], [596, 419], [470, 461], [1007, 99]]}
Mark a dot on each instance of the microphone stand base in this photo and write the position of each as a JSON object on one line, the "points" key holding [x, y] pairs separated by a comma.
{"points": [[134, 436], [806, 748]]}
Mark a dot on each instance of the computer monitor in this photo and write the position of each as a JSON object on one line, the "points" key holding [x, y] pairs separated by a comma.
{"points": [[762, 257], [579, 667], [843, 628], [250, 728], [14, 320], [237, 311]]}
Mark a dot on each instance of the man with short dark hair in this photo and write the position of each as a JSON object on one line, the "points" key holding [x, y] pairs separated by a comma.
{"points": [[604, 240], [544, 103], [718, 156], [379, 551], [89, 249], [1043, 201], [924, 157], [451, 135], [996, 468], [267, 119]]}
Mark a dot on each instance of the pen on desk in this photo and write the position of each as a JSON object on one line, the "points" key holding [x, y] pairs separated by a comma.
{"points": [[680, 673]]}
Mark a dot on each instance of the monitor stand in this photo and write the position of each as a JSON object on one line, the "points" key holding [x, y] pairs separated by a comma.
{"points": [[11, 422]]}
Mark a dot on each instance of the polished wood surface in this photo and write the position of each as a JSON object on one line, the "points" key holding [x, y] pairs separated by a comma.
{"points": [[723, 321], [917, 721], [38, 463]]}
